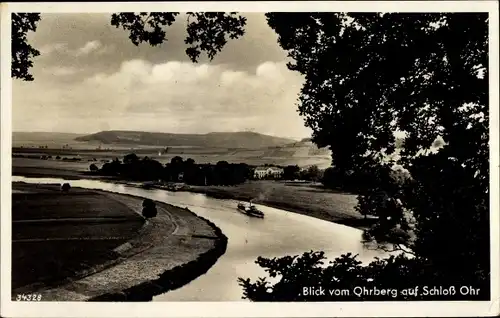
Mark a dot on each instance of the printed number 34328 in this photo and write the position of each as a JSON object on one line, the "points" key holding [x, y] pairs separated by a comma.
{"points": [[29, 297]]}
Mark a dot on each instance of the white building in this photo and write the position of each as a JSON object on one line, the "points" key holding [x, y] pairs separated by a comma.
{"points": [[263, 172]]}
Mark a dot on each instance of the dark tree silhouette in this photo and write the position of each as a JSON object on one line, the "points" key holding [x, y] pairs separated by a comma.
{"points": [[144, 26], [130, 158], [65, 187], [177, 160], [22, 52], [291, 172], [207, 32], [149, 209], [427, 76], [93, 167]]}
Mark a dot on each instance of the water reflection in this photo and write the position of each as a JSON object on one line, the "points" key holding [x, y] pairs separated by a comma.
{"points": [[280, 233]]}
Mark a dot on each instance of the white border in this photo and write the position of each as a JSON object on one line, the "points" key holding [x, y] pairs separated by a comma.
{"points": [[247, 309]]}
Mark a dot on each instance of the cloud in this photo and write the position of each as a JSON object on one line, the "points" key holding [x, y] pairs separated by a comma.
{"points": [[88, 48], [208, 89], [181, 97], [57, 47], [62, 48], [61, 71]]}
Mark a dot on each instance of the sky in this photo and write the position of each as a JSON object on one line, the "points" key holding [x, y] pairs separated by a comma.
{"points": [[90, 77]]}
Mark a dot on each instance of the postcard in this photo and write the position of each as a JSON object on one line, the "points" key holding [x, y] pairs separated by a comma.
{"points": [[250, 159]]}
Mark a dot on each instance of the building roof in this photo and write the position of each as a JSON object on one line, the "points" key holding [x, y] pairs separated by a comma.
{"points": [[264, 169]]}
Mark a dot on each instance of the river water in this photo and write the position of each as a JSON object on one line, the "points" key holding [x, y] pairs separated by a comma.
{"points": [[280, 233]]}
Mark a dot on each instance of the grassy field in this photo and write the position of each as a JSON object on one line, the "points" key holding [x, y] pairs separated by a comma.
{"points": [[56, 235]]}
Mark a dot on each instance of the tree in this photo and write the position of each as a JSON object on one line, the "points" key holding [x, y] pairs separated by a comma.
{"points": [[93, 167], [291, 172], [313, 173], [65, 187], [130, 158], [425, 75], [112, 168], [332, 179], [149, 209], [22, 52], [177, 160]]}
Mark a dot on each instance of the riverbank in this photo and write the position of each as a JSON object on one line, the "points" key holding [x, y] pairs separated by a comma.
{"points": [[302, 198], [176, 244]]}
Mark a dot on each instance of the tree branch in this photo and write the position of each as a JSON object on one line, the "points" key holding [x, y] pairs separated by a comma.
{"points": [[147, 18], [384, 248]]}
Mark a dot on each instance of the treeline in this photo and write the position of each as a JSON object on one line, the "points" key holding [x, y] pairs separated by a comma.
{"points": [[134, 168], [294, 172], [177, 170], [47, 157]]}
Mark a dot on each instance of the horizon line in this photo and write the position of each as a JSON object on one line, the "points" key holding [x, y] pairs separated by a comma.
{"points": [[297, 138]]}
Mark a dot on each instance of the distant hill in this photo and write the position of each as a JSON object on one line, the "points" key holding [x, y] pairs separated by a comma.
{"points": [[248, 140]]}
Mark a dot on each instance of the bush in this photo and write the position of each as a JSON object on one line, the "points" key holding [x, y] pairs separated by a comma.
{"points": [[149, 208], [65, 187], [93, 167]]}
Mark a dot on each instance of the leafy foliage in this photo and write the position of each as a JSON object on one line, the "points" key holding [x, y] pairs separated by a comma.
{"points": [[347, 279], [144, 26], [207, 32], [146, 169], [426, 75], [312, 173], [22, 51], [130, 158]]}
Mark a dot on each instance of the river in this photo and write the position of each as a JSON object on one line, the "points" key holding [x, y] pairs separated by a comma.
{"points": [[280, 233]]}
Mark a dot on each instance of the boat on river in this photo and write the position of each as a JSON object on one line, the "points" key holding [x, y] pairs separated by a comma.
{"points": [[250, 210]]}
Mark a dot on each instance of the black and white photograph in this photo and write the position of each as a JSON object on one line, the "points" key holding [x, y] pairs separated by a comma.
{"points": [[335, 156]]}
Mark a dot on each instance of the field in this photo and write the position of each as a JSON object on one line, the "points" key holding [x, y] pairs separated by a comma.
{"points": [[251, 157], [56, 235], [302, 153]]}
